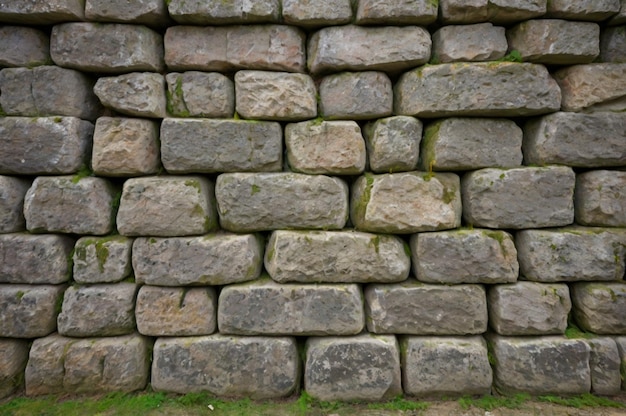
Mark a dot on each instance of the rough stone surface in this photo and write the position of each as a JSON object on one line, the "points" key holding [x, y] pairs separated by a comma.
{"points": [[519, 198], [406, 202], [110, 48], [204, 145], [212, 259], [325, 147], [587, 86], [12, 192], [445, 366], [463, 11], [593, 10], [140, 94], [23, 46], [146, 12], [619, 18], [508, 11], [29, 311], [41, 12], [497, 89], [251, 367], [312, 13], [478, 42], [336, 257], [621, 347], [200, 12], [600, 307], [13, 358], [259, 308], [270, 201], [200, 94], [416, 308], [363, 368], [167, 206], [165, 311], [393, 144], [356, 96], [599, 199], [102, 259], [464, 256], [604, 363], [612, 45], [399, 12]]}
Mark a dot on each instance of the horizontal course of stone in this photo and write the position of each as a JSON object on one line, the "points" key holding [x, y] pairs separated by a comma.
{"points": [[355, 198]]}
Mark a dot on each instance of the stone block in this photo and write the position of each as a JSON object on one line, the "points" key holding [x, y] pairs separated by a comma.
{"points": [[445, 366], [356, 96], [600, 307], [472, 43], [29, 311], [125, 147], [200, 94], [12, 192], [529, 308], [509, 11], [451, 90], [278, 96], [570, 254], [604, 363], [102, 259], [540, 365], [359, 368], [98, 311], [599, 199], [229, 48], [464, 256], [13, 358], [620, 17], [260, 308], [272, 201], [612, 44], [621, 348], [140, 12], [44, 145], [200, 12], [393, 144], [416, 308], [212, 259], [358, 48], [41, 12], [336, 257], [23, 46], [404, 203], [71, 205], [463, 11], [526, 197], [325, 147], [592, 10], [176, 311], [251, 367], [592, 86], [214, 145], [140, 94], [314, 13], [167, 206], [397, 12]]}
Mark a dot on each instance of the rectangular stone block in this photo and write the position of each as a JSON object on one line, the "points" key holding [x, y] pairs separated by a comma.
{"points": [[509, 11], [23, 46], [29, 311], [139, 94], [398, 12], [204, 145], [260, 308], [251, 367], [356, 96], [598, 86], [139, 12], [13, 358], [200, 94], [612, 45], [315, 13], [200, 12], [463, 11], [12, 192], [604, 363], [600, 307], [102, 259], [41, 12], [599, 199], [592, 10], [393, 144], [416, 308], [473, 43]]}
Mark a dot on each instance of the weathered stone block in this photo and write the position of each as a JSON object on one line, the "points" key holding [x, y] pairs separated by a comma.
{"points": [[224, 49], [508, 11], [139, 12], [41, 12], [478, 42], [12, 192], [620, 17], [336, 257], [600, 307], [399, 12], [140, 94], [621, 348], [98, 310], [43, 145], [165, 311], [593, 10], [259, 308], [357, 48], [29, 311], [313, 13], [406, 203], [201, 145], [200, 12], [325, 147], [464, 256], [356, 96], [13, 358], [72, 205], [612, 45], [463, 11], [23, 46], [102, 259], [362, 367], [167, 206], [599, 199], [251, 367], [200, 94], [604, 363], [445, 366], [592, 86], [271, 201], [416, 308], [109, 48], [212, 259], [519, 198], [393, 144]]}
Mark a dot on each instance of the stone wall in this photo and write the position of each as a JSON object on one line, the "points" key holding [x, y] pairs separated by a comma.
{"points": [[358, 199]]}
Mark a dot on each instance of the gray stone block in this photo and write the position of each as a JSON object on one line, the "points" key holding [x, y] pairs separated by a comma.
{"points": [[509, 11], [102, 259], [12, 192], [613, 44], [29, 311], [23, 46], [399, 12], [393, 144], [200, 94], [41, 12], [13, 358], [140, 94], [592, 10], [620, 17], [473, 43], [621, 348], [600, 307], [592, 86], [599, 199], [604, 363], [356, 96], [314, 13], [139, 12], [463, 11], [200, 12]]}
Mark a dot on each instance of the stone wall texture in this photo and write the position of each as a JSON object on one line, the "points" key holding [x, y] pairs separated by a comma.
{"points": [[355, 198]]}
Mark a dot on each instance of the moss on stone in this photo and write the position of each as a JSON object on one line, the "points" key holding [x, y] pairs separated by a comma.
{"points": [[360, 208]]}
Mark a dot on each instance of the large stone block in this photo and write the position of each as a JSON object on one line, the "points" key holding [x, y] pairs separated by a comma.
{"points": [[416, 308], [29, 311], [43, 145], [463, 11], [464, 256], [519, 198], [140, 94], [139, 12], [406, 202], [451, 90], [251, 367], [593, 86], [445, 366], [200, 94], [336, 257], [599, 198], [356, 96], [612, 45], [174, 311], [604, 363], [212, 259], [202, 145], [200, 12], [357, 48], [508, 11], [109, 48], [363, 367], [13, 358], [167, 206], [325, 147], [102, 259], [313, 13], [224, 49], [478, 42], [393, 144], [399, 12], [23, 46], [12, 192], [271, 201], [260, 308], [593, 10], [41, 12], [600, 307]]}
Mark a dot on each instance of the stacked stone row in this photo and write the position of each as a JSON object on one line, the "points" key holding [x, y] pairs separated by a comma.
{"points": [[364, 200]]}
